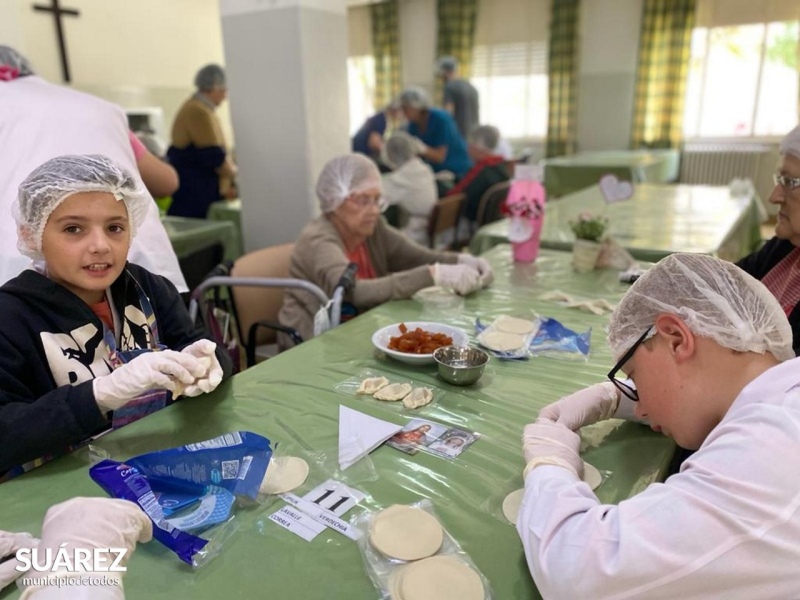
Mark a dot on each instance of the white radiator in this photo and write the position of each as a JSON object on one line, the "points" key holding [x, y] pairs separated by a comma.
{"points": [[718, 164]]}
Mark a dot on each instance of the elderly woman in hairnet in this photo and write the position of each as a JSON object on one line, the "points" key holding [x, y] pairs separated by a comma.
{"points": [[89, 340], [440, 143], [350, 230], [708, 353], [198, 150], [411, 185], [777, 264]]}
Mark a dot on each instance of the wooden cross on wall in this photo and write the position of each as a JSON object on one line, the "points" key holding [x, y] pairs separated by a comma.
{"points": [[57, 11]]}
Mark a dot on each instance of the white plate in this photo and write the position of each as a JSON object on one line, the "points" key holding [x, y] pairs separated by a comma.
{"points": [[380, 339]]}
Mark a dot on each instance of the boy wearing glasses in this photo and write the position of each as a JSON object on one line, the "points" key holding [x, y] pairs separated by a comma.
{"points": [[707, 351]]}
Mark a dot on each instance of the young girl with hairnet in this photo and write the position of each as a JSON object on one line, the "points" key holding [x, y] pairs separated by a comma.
{"points": [[350, 230], [90, 341]]}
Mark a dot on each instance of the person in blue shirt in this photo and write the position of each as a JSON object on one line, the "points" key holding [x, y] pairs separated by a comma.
{"points": [[442, 145], [369, 139]]}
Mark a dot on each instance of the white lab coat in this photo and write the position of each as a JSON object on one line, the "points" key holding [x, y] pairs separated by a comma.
{"points": [[39, 121], [413, 187], [726, 526]]}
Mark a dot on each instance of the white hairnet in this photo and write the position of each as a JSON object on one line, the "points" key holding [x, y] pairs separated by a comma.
{"points": [[791, 143], [400, 148], [447, 64], [209, 77], [414, 97], [716, 299], [54, 181], [345, 175], [14, 60]]}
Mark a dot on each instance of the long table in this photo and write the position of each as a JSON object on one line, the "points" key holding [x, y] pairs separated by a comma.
{"points": [[291, 400], [567, 174], [231, 211], [187, 235], [655, 222]]}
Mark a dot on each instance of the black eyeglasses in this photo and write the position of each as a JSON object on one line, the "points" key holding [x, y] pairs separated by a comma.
{"points": [[623, 387]]}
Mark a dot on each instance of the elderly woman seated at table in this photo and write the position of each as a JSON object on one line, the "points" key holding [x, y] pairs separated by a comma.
{"points": [[411, 186], [350, 230], [441, 145], [777, 264]]}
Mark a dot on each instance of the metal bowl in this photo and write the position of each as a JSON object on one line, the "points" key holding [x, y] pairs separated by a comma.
{"points": [[460, 365]]}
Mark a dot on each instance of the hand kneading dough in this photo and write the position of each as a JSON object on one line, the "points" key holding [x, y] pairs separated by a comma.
{"points": [[371, 385], [513, 502], [418, 397], [392, 392], [513, 325], [284, 474], [502, 341], [440, 578], [406, 533], [181, 387]]}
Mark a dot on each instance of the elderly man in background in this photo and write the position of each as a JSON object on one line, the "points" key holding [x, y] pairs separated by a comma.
{"points": [[410, 186], [460, 96], [489, 168], [442, 146], [39, 121], [708, 354], [351, 230], [198, 150]]}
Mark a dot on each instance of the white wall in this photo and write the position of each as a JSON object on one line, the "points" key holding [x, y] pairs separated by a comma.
{"points": [[142, 53]]}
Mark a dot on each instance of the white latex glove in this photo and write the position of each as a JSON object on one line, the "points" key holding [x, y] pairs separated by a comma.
{"points": [[90, 524], [9, 544], [548, 443], [209, 380], [481, 265], [420, 146], [150, 371], [595, 403], [462, 279]]}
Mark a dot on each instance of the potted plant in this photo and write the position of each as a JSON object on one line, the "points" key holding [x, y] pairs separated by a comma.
{"points": [[589, 230]]}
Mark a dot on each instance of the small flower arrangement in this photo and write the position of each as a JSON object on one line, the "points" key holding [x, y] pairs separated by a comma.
{"points": [[589, 227]]}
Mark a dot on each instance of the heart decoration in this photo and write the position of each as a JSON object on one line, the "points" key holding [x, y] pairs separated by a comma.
{"points": [[615, 190]]}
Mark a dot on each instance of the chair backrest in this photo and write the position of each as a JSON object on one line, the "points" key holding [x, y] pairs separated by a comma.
{"points": [[491, 201], [260, 303], [198, 263], [444, 216]]}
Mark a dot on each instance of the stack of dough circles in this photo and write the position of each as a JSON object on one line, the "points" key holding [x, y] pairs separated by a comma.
{"points": [[513, 502], [406, 533], [502, 341], [436, 578], [513, 325], [284, 474]]}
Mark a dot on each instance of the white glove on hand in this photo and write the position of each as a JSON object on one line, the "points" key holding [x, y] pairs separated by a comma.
{"points": [[9, 544], [548, 443], [595, 403], [149, 371], [420, 146], [462, 279], [209, 380], [481, 265], [96, 523]]}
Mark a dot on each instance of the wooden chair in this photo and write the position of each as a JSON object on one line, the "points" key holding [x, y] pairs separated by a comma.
{"points": [[445, 215], [491, 201]]}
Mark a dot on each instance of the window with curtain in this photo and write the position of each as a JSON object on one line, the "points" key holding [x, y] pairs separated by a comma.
{"points": [[743, 74], [509, 66], [360, 66]]}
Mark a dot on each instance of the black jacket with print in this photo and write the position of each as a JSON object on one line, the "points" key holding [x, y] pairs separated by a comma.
{"points": [[51, 348]]}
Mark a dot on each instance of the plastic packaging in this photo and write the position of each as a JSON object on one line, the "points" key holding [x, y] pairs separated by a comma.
{"points": [[556, 341], [521, 353], [381, 568]]}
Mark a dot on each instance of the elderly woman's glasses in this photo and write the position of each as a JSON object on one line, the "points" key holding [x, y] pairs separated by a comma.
{"points": [[363, 201], [620, 384], [787, 183]]}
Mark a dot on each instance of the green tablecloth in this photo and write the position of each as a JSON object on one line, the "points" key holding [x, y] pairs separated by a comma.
{"points": [[291, 399], [229, 210], [658, 220], [566, 174], [187, 235]]}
